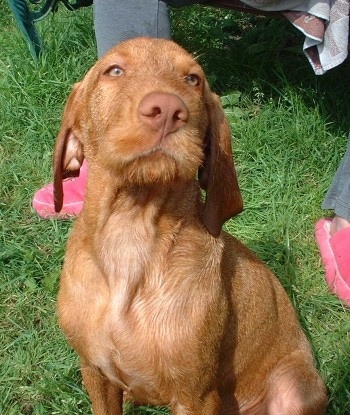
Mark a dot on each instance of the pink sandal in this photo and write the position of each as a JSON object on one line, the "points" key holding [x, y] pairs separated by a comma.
{"points": [[335, 254], [73, 197]]}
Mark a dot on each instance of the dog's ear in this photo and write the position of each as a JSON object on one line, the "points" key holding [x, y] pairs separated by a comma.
{"points": [[217, 175], [68, 152]]}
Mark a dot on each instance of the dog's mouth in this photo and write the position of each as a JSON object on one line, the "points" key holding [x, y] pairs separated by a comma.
{"points": [[143, 142], [159, 155], [147, 155], [178, 146], [160, 165], [153, 166]]}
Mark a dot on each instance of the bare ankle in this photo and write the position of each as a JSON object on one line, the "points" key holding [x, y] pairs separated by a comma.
{"points": [[338, 223]]}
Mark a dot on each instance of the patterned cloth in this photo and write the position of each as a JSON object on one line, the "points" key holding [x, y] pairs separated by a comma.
{"points": [[325, 24]]}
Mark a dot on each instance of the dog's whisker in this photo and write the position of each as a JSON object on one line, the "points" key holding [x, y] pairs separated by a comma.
{"points": [[159, 302]]}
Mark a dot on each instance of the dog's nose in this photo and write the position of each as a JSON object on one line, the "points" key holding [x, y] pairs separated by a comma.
{"points": [[164, 112]]}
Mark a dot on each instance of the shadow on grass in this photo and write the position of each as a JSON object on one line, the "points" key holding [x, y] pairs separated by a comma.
{"points": [[336, 372], [249, 53]]}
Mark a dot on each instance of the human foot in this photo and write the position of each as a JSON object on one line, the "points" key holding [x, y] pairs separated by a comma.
{"points": [[73, 197], [335, 254]]}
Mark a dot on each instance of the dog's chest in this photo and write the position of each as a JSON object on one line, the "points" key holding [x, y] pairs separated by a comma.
{"points": [[153, 344], [149, 346], [151, 332], [143, 304]]}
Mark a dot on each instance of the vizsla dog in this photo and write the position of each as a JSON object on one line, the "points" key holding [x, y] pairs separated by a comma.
{"points": [[156, 299]]}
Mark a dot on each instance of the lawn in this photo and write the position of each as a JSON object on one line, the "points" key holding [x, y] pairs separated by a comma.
{"points": [[290, 130]]}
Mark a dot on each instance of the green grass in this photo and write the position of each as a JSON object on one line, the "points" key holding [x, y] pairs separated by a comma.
{"points": [[290, 131]]}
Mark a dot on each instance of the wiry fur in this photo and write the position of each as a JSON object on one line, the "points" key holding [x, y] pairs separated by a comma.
{"points": [[154, 297]]}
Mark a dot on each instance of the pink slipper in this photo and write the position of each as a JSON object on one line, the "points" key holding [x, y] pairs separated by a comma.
{"points": [[335, 254], [73, 197]]}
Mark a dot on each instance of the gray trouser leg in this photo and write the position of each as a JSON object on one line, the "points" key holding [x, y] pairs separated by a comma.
{"points": [[338, 195], [118, 20]]}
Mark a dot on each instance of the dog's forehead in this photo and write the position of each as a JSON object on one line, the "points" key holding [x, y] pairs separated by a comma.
{"points": [[149, 54]]}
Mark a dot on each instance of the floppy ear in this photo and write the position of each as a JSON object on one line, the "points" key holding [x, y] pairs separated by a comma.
{"points": [[68, 152], [217, 176]]}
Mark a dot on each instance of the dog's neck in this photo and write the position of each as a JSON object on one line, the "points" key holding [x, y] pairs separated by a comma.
{"points": [[128, 226], [111, 204], [106, 198]]}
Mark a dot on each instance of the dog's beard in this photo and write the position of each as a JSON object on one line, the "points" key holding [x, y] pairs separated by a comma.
{"points": [[142, 161], [153, 168]]}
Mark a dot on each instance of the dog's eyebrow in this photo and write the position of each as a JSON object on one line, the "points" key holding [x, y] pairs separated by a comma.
{"points": [[157, 299]]}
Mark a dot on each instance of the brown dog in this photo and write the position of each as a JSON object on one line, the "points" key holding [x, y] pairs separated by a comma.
{"points": [[154, 297]]}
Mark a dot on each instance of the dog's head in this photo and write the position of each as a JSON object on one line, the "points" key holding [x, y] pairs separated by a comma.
{"points": [[145, 112]]}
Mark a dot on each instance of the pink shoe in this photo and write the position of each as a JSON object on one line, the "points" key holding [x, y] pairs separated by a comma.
{"points": [[73, 197], [335, 254]]}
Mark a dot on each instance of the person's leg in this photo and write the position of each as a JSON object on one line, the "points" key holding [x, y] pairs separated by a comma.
{"points": [[338, 195], [333, 235], [114, 21]]}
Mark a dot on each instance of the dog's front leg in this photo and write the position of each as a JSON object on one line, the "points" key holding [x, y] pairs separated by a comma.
{"points": [[106, 397], [208, 405]]}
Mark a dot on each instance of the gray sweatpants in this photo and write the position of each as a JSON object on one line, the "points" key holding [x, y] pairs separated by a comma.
{"points": [[338, 195], [118, 20]]}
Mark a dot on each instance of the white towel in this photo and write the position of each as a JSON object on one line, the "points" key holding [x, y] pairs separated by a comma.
{"points": [[325, 24]]}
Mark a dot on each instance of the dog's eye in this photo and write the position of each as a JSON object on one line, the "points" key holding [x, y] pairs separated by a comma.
{"points": [[193, 79], [115, 71]]}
